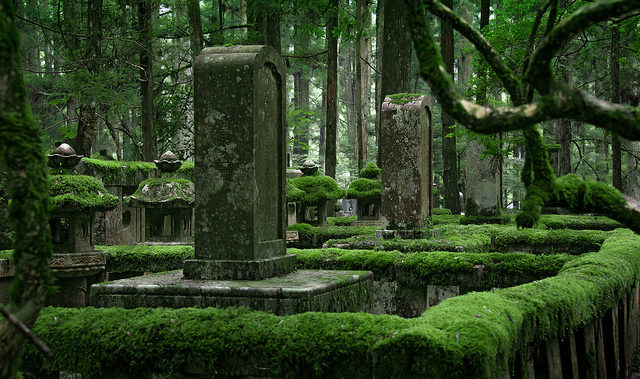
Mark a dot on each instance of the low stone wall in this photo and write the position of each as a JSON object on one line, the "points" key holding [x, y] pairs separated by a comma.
{"points": [[581, 322]]}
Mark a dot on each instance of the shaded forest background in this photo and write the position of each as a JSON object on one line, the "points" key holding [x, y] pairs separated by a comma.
{"points": [[113, 78]]}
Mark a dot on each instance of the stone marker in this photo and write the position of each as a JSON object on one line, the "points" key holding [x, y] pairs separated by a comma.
{"points": [[482, 178], [406, 161], [239, 165]]}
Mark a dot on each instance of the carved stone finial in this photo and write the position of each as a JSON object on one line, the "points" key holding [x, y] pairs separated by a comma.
{"points": [[64, 156], [168, 162]]}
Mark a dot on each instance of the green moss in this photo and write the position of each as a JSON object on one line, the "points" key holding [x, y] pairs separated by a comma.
{"points": [[145, 258], [318, 188], [467, 220], [403, 98], [6, 254], [154, 191], [441, 212], [294, 194], [186, 171], [370, 171], [114, 172], [365, 189], [311, 236], [79, 192], [579, 222]]}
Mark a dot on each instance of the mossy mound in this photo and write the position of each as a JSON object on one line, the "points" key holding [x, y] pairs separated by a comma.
{"points": [[502, 220], [79, 193], [294, 194], [164, 193], [317, 189], [370, 171], [441, 212], [403, 98], [365, 189]]}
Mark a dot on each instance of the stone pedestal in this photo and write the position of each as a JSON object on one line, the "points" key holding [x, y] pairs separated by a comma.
{"points": [[301, 291], [406, 160], [240, 136]]}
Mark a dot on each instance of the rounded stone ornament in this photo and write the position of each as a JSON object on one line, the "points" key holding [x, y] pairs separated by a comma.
{"points": [[64, 156], [168, 162]]}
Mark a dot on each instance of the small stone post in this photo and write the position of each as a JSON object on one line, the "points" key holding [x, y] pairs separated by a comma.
{"points": [[482, 178], [406, 161], [240, 212]]}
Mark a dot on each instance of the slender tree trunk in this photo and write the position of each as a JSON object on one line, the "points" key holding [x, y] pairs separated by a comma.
{"points": [[322, 138], [87, 122], [21, 152], [616, 150], [300, 94], [449, 155], [145, 11], [363, 79], [195, 22], [332, 92], [346, 61], [396, 53], [378, 75]]}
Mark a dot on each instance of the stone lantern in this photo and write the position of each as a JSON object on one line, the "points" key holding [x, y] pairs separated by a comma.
{"points": [[168, 202], [318, 191], [368, 191], [74, 199]]}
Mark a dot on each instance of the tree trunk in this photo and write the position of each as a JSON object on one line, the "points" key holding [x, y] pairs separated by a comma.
{"points": [[195, 22], [322, 138], [264, 17], [378, 74], [449, 156], [616, 150], [145, 11], [85, 134], [346, 61], [396, 53], [21, 152], [332, 92], [363, 79]]}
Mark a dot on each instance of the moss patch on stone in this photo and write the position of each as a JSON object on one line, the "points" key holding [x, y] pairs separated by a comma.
{"points": [[370, 171], [314, 237], [579, 222], [318, 188], [441, 212], [111, 172], [365, 189], [170, 192], [79, 193], [145, 258], [294, 194], [403, 98]]}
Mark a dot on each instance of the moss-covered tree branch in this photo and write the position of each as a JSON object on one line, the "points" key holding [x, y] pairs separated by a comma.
{"points": [[23, 160]]}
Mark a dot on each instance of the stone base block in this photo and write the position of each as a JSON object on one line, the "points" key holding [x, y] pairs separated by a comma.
{"points": [[368, 223], [72, 265], [239, 270], [300, 291]]}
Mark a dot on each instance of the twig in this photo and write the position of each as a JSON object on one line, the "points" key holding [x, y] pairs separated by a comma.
{"points": [[23, 328]]}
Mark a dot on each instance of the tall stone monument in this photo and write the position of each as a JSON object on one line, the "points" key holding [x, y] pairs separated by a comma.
{"points": [[240, 162], [482, 178], [406, 161], [240, 204]]}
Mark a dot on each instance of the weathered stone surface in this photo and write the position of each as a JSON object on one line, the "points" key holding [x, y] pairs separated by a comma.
{"points": [[482, 182], [407, 156], [77, 264], [301, 291], [239, 107]]}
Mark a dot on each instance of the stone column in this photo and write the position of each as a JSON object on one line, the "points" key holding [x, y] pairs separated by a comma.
{"points": [[482, 178], [240, 212], [406, 161]]}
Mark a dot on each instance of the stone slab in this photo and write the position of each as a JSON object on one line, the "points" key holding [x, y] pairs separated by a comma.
{"points": [[301, 291]]}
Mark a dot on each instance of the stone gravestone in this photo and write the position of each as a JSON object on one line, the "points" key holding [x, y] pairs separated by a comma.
{"points": [[406, 161], [482, 178], [240, 204], [240, 157]]}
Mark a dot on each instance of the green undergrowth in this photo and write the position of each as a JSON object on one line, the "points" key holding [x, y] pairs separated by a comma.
{"points": [[441, 212], [501, 220], [478, 334], [485, 270], [7, 254], [471, 243], [145, 258], [79, 193]]}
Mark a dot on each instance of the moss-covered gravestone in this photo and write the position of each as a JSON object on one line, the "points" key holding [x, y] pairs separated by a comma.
{"points": [[240, 222], [368, 191], [406, 160]]}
